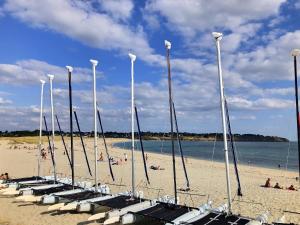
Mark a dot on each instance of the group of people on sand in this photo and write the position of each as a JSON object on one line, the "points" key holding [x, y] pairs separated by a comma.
{"points": [[277, 186], [114, 161], [4, 176], [118, 161]]}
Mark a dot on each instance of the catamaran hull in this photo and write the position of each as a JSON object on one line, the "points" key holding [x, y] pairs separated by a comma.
{"points": [[86, 205], [188, 216], [58, 197], [114, 215]]}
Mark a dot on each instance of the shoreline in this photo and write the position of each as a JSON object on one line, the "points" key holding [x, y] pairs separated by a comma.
{"points": [[283, 168]]}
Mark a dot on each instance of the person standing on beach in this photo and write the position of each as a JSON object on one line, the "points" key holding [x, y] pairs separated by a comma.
{"points": [[125, 156]]}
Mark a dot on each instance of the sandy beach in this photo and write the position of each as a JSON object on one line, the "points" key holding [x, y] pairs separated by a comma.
{"points": [[18, 158]]}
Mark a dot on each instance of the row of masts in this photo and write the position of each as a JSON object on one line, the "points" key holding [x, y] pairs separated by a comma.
{"points": [[224, 113]]}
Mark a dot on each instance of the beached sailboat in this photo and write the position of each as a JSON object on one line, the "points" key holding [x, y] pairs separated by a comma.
{"points": [[69, 201], [170, 210], [112, 209]]}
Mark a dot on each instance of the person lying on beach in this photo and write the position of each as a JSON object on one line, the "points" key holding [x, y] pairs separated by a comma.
{"points": [[291, 188], [277, 186], [268, 183], [156, 168]]}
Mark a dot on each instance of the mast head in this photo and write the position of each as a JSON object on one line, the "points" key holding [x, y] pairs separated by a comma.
{"points": [[295, 52], [51, 77], [168, 44], [218, 36], [42, 82], [94, 62], [132, 57], [69, 68]]}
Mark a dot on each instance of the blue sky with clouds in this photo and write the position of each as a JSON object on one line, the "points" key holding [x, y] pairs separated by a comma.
{"points": [[40, 37]]}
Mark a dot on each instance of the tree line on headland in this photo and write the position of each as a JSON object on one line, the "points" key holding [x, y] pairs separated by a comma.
{"points": [[157, 136]]}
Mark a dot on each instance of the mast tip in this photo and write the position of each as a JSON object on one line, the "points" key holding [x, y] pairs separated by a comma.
{"points": [[69, 68], [132, 57], [168, 44], [295, 52], [43, 82], [217, 35], [94, 62], [50, 76]]}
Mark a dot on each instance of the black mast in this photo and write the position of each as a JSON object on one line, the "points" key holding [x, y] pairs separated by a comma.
{"points": [[71, 120], [141, 142], [82, 143], [181, 152], [49, 142], [239, 191], [168, 47], [63, 140], [295, 53], [105, 145]]}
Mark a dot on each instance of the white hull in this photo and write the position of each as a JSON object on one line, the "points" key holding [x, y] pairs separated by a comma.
{"points": [[130, 218], [56, 198], [86, 205], [115, 215], [29, 191]]}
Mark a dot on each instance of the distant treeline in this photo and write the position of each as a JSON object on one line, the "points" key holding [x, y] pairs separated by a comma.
{"points": [[157, 136]]}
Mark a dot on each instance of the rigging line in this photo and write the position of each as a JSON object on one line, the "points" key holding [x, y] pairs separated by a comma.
{"points": [[82, 143], [141, 143], [49, 142], [63, 140], [180, 148], [239, 191], [105, 146]]}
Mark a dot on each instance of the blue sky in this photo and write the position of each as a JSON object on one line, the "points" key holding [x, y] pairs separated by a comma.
{"points": [[41, 37]]}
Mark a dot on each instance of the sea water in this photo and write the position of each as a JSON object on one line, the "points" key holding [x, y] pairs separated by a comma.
{"points": [[280, 155]]}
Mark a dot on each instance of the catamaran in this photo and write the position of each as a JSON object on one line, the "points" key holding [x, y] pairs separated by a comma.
{"points": [[166, 211]]}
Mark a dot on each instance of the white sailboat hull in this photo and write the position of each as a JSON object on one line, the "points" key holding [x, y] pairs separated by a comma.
{"points": [[114, 215], [55, 198], [86, 205], [130, 218]]}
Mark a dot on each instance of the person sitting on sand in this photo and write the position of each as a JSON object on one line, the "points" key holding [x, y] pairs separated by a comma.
{"points": [[277, 186], [44, 154], [101, 157], [268, 183], [156, 167], [4, 176], [291, 188]]}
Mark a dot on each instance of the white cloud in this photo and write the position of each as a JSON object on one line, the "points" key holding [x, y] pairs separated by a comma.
{"points": [[191, 16], [94, 29], [272, 62], [118, 9], [31, 71], [4, 101], [239, 102]]}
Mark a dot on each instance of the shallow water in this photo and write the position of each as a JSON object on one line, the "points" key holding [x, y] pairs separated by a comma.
{"points": [[263, 154]]}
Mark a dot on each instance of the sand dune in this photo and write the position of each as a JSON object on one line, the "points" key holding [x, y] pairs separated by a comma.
{"points": [[207, 182]]}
